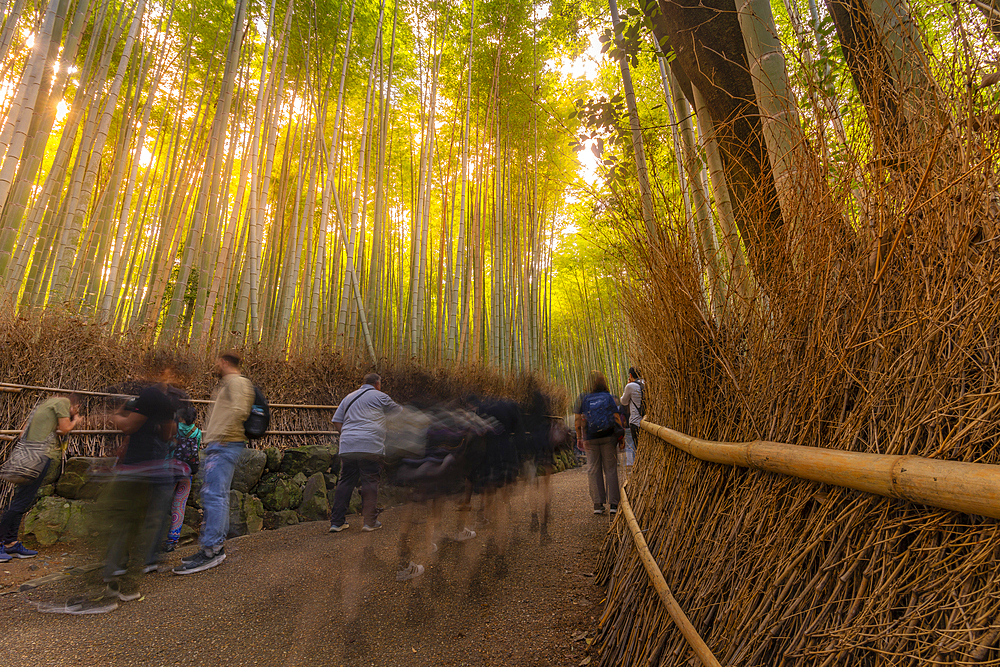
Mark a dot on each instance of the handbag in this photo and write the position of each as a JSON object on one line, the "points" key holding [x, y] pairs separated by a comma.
{"points": [[27, 461]]}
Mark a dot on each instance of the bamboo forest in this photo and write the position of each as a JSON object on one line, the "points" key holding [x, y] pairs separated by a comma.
{"points": [[780, 216], [387, 178]]}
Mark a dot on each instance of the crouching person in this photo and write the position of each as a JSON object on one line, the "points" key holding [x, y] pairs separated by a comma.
{"points": [[52, 419]]}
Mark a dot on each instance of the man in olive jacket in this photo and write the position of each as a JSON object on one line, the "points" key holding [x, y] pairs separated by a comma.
{"points": [[226, 440]]}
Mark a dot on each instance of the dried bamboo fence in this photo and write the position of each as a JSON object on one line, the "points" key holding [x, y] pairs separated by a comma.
{"points": [[970, 488], [858, 580]]}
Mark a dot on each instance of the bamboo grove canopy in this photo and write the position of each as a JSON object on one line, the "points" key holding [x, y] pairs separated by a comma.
{"points": [[383, 177]]}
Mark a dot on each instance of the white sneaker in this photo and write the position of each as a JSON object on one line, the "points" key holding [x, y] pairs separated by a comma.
{"points": [[464, 534], [113, 590], [412, 571]]}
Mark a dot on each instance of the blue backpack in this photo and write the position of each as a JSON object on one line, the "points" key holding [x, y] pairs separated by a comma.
{"points": [[599, 411]]}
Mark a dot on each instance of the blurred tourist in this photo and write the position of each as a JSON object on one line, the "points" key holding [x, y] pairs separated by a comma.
{"points": [[540, 458], [134, 505]]}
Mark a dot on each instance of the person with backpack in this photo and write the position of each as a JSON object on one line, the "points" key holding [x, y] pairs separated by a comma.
{"points": [[360, 420], [226, 438], [598, 427], [634, 398], [187, 445]]}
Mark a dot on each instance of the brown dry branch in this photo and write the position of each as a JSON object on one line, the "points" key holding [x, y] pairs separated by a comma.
{"points": [[883, 343], [57, 351]]}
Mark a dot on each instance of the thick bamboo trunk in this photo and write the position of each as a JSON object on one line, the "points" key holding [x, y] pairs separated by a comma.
{"points": [[741, 283], [645, 192], [702, 218], [790, 155]]}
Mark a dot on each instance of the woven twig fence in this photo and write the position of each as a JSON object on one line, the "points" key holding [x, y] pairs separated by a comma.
{"points": [[804, 573], [963, 487]]}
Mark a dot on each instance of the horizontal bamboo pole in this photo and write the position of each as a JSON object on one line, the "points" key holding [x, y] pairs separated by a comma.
{"points": [[970, 488], [13, 388], [691, 635]]}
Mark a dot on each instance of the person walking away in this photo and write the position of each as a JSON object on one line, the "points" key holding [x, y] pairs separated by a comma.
{"points": [[360, 420], [596, 415], [541, 457], [632, 397], [48, 423], [224, 432], [187, 444]]}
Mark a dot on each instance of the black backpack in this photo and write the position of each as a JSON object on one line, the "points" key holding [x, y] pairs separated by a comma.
{"points": [[260, 416], [642, 397]]}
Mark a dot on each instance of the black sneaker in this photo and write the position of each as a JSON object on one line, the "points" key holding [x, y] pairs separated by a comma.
{"points": [[18, 550], [200, 562], [613, 510], [188, 559], [598, 508]]}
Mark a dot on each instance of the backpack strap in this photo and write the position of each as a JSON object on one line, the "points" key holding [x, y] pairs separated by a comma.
{"points": [[353, 400]]}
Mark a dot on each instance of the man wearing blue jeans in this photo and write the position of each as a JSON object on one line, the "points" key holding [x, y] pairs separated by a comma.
{"points": [[226, 438]]}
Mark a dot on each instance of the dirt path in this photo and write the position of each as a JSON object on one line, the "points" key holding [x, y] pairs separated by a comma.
{"points": [[301, 596]]}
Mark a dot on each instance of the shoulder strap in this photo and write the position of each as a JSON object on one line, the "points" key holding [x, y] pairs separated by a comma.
{"points": [[631, 399], [353, 400], [27, 422]]}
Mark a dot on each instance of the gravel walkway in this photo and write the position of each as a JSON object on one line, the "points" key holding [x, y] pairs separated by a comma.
{"points": [[302, 596]]}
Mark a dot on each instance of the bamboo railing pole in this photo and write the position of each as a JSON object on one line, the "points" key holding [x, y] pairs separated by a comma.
{"points": [[14, 388], [970, 488], [691, 635]]}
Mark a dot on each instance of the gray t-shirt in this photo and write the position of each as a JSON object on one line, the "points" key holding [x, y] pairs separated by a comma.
{"points": [[632, 397], [362, 414]]}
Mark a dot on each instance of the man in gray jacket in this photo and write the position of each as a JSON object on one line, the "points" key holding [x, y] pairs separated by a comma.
{"points": [[633, 398], [360, 419]]}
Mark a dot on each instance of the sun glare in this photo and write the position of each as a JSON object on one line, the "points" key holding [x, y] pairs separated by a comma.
{"points": [[585, 66]]}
